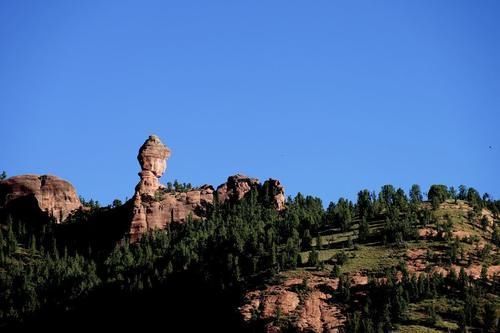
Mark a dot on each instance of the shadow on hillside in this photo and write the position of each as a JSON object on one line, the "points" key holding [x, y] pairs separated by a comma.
{"points": [[184, 305]]}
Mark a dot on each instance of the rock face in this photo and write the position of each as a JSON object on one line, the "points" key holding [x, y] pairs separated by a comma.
{"points": [[309, 307], [154, 207], [236, 187], [274, 193], [50, 195]]}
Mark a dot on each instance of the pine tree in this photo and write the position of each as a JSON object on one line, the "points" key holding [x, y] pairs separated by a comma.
{"points": [[319, 242], [306, 240], [415, 194], [463, 278], [33, 244], [367, 325], [3, 242], [335, 273], [490, 318], [313, 260], [470, 307], [386, 317], [495, 237], [11, 241], [462, 322], [431, 312], [364, 204], [484, 273], [344, 287], [354, 325], [364, 230]]}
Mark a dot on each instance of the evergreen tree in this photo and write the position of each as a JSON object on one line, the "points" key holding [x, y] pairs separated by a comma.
{"points": [[463, 278], [344, 288], [452, 193], [319, 242], [386, 317], [437, 194], [490, 318], [335, 273], [462, 192], [484, 273], [306, 240], [343, 214], [364, 204], [473, 197], [364, 230], [415, 194], [386, 196], [313, 258], [462, 324]]}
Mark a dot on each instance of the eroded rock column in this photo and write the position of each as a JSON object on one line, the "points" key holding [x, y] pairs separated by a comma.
{"points": [[152, 157]]}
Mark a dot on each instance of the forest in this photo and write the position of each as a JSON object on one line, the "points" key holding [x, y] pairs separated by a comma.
{"points": [[195, 274]]}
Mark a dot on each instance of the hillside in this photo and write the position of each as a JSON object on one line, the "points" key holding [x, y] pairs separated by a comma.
{"points": [[309, 298], [242, 258]]}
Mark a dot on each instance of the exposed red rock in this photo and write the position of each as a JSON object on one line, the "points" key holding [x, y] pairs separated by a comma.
{"points": [[152, 157], [308, 309], [155, 207], [286, 301], [236, 188], [418, 262], [275, 192], [51, 195]]}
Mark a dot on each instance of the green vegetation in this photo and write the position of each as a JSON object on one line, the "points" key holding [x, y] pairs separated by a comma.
{"points": [[176, 186], [425, 302], [240, 246]]}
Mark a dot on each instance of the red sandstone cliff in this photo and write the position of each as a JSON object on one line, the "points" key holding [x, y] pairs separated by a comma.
{"points": [[154, 207], [49, 195]]}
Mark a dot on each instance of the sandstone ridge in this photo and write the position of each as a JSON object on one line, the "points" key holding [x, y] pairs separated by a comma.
{"points": [[154, 206]]}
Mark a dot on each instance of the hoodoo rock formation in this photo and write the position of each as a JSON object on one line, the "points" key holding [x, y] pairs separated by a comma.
{"points": [[47, 195], [154, 206], [153, 157]]}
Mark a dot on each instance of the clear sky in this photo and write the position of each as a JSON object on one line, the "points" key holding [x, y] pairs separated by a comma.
{"points": [[330, 97]]}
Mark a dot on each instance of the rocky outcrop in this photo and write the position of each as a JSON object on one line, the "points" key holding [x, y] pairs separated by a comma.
{"points": [[48, 195], [236, 188], [154, 206], [298, 304], [152, 157], [156, 212], [274, 193]]}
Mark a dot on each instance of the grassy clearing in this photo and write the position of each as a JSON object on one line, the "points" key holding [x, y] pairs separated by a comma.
{"points": [[416, 329], [331, 237], [371, 259], [336, 238], [447, 310], [366, 258]]}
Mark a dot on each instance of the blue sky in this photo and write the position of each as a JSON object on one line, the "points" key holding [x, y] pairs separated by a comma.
{"points": [[330, 97]]}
